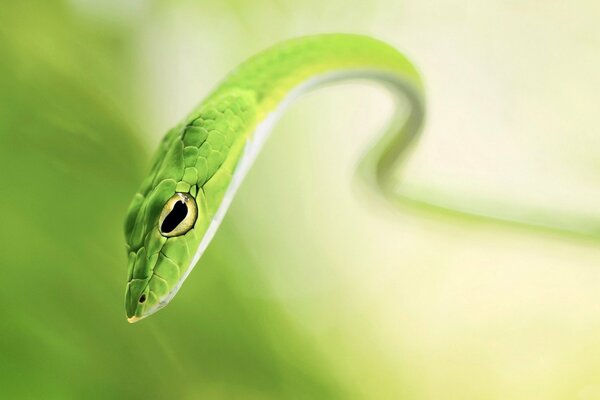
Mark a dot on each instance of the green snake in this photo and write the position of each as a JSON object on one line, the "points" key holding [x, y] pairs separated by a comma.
{"points": [[200, 163]]}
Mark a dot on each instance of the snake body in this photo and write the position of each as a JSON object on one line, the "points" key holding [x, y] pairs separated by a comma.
{"points": [[201, 162]]}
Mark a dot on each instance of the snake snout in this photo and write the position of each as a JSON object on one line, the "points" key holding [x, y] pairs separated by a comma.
{"points": [[137, 297]]}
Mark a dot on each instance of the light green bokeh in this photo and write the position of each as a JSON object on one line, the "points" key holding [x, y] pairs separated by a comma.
{"points": [[313, 289]]}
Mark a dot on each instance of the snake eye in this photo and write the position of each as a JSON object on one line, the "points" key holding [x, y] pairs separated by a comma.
{"points": [[178, 215]]}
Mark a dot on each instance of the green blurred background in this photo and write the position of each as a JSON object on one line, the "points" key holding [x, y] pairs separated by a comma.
{"points": [[311, 290]]}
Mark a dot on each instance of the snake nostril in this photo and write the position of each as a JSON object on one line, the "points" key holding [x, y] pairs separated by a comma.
{"points": [[142, 298]]}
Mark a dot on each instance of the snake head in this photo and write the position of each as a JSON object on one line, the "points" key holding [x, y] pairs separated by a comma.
{"points": [[166, 227], [181, 203], [165, 223]]}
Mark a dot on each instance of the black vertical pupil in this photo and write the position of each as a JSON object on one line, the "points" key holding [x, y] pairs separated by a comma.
{"points": [[175, 217]]}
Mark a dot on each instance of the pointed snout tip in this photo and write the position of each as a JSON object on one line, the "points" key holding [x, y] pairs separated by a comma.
{"points": [[133, 319]]}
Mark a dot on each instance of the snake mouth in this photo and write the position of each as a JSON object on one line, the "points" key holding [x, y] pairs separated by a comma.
{"points": [[135, 318]]}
